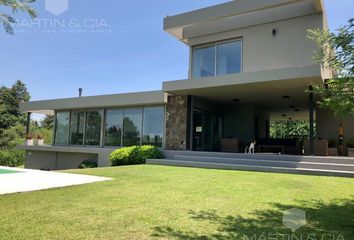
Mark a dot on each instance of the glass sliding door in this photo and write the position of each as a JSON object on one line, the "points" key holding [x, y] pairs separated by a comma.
{"points": [[61, 128], [218, 58], [228, 58], [77, 122], [132, 125], [153, 126], [204, 62], [93, 127], [207, 130], [113, 128]]}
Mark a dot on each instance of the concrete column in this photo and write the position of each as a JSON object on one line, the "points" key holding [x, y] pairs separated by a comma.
{"points": [[190, 123], [311, 121]]}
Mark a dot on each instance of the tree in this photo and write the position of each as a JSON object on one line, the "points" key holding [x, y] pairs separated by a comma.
{"points": [[16, 5], [10, 99], [12, 136], [47, 122], [336, 53], [287, 129]]}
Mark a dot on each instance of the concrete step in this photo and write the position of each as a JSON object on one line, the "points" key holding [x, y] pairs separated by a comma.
{"points": [[270, 163], [212, 165], [260, 156]]}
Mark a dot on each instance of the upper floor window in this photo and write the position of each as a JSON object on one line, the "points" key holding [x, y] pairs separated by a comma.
{"points": [[217, 59]]}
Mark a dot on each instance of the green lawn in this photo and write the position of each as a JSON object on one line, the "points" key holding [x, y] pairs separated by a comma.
{"points": [[144, 202]]}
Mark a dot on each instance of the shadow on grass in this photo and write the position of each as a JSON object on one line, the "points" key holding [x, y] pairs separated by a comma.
{"points": [[325, 221]]}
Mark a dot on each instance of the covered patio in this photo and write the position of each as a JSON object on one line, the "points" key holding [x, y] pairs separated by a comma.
{"points": [[227, 113]]}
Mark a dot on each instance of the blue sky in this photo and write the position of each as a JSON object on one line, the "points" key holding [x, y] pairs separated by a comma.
{"points": [[136, 55]]}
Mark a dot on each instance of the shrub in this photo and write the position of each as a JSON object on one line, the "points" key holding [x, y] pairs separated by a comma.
{"points": [[87, 164], [350, 143], [12, 157], [150, 152], [134, 155], [124, 156]]}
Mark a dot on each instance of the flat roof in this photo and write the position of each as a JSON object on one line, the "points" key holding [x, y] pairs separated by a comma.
{"points": [[265, 89], [113, 100], [236, 14], [237, 79]]}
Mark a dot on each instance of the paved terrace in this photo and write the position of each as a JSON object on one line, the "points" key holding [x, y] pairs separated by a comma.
{"points": [[25, 180]]}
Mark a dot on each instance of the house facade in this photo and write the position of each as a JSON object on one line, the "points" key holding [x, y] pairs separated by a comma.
{"points": [[250, 64]]}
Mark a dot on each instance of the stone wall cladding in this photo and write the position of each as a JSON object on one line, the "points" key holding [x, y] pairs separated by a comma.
{"points": [[176, 122]]}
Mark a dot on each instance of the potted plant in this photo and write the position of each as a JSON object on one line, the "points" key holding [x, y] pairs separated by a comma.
{"points": [[40, 140], [332, 147], [350, 145], [29, 140]]}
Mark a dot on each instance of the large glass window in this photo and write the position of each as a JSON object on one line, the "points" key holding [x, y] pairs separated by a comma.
{"points": [[204, 62], [217, 59], [113, 128], [77, 122], [93, 128], [61, 128], [229, 58], [153, 126], [122, 127], [132, 125]]}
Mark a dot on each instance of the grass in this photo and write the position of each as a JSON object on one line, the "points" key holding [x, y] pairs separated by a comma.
{"points": [[152, 202]]}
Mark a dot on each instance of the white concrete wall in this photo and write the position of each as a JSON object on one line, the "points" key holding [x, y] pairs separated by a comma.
{"points": [[263, 51], [56, 160]]}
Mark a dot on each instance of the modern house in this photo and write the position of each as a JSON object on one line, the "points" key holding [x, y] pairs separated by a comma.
{"points": [[250, 64]]}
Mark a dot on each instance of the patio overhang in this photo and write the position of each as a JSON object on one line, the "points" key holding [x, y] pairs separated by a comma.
{"points": [[266, 89], [114, 100], [237, 14]]}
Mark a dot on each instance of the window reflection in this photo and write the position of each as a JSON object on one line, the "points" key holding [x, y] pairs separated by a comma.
{"points": [[93, 128], [77, 128], [217, 59], [153, 126], [204, 62], [229, 58], [113, 128], [122, 127], [61, 128], [132, 127]]}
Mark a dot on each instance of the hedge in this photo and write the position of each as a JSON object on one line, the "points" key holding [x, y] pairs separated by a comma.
{"points": [[134, 155], [87, 164]]}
